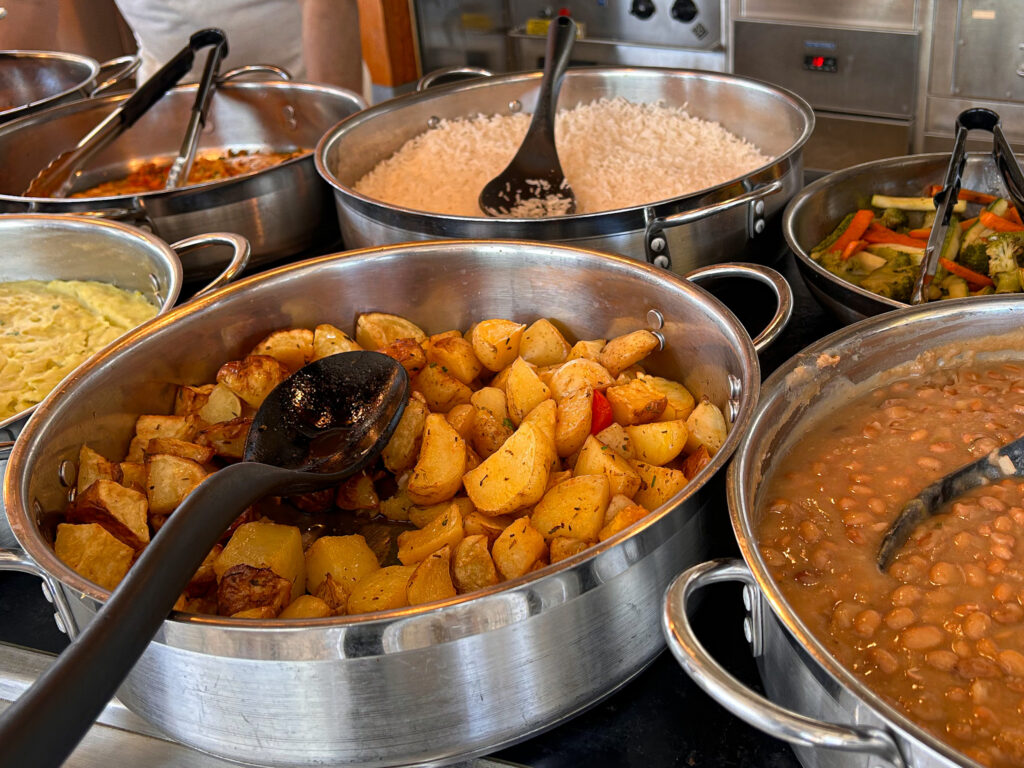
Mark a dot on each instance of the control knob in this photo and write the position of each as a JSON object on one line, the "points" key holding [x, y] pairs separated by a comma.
{"points": [[684, 10], [642, 9]]}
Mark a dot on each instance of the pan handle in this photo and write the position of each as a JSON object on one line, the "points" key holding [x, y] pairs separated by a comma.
{"points": [[239, 259], [431, 77], [123, 67], [751, 707], [656, 244], [762, 274], [255, 69]]}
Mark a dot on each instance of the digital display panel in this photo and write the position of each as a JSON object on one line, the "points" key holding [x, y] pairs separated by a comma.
{"points": [[818, 63]]}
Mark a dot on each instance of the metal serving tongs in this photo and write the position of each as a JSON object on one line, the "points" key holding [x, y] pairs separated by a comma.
{"points": [[57, 178], [977, 118], [182, 165]]}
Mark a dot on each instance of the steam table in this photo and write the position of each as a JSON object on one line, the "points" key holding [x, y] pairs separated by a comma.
{"points": [[661, 719]]}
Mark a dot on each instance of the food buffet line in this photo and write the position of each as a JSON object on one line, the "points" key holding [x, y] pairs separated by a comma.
{"points": [[548, 426]]}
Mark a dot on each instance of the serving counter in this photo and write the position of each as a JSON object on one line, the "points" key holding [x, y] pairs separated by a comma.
{"points": [[660, 718]]}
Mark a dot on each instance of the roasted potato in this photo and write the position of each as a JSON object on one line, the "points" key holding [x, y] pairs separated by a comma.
{"points": [[496, 342], [306, 607], [183, 449], [292, 348], [455, 356], [226, 438], [432, 579], [635, 402], [437, 475], [657, 484], [562, 547], [169, 479], [122, 511], [404, 446], [626, 350], [252, 378], [445, 529], [678, 400], [266, 545], [244, 587], [596, 458], [189, 400], [92, 467], [588, 350], [579, 373], [524, 390], [573, 508], [519, 548], [346, 559], [472, 565], [375, 330], [408, 353], [381, 590], [543, 344], [328, 340], [515, 476], [657, 442], [440, 389], [574, 417], [93, 552], [707, 427]]}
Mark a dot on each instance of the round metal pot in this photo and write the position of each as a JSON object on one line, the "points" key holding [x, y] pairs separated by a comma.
{"points": [[816, 210], [815, 703], [31, 81], [739, 218], [429, 683], [283, 211], [44, 247]]}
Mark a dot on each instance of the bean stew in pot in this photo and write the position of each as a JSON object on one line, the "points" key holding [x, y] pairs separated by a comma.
{"points": [[941, 633]]}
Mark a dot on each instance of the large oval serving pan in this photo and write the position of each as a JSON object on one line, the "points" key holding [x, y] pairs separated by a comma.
{"points": [[738, 219], [283, 210], [816, 210], [428, 683], [832, 716]]}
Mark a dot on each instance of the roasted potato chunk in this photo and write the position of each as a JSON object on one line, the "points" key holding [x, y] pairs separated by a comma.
{"points": [[432, 579], [515, 476], [266, 545], [657, 442], [122, 511], [357, 492], [635, 402], [657, 484], [346, 559], [496, 342], [375, 330], [524, 390], [679, 401], [626, 350], [189, 400], [445, 529], [244, 587], [328, 340], [519, 548], [707, 427], [93, 552], [543, 344], [292, 348], [455, 356], [92, 467], [169, 479], [253, 377], [577, 374], [306, 607], [221, 405], [472, 566], [622, 519], [183, 449], [404, 446], [226, 438], [441, 390], [588, 350], [562, 547], [437, 475], [408, 353], [574, 417], [598, 459], [381, 590], [153, 425], [573, 508]]}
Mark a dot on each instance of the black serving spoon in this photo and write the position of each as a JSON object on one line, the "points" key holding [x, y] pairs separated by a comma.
{"points": [[324, 423], [535, 174], [1007, 461]]}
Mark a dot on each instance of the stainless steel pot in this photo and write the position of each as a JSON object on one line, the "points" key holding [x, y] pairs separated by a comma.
{"points": [[44, 247], [816, 210], [31, 81], [815, 703], [429, 683], [737, 219], [282, 211]]}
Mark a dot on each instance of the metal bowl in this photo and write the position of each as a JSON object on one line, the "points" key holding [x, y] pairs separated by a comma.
{"points": [[283, 211], [739, 218], [429, 683], [816, 210], [31, 81], [815, 702]]}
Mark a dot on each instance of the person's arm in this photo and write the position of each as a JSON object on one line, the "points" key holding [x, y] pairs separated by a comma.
{"points": [[330, 41]]}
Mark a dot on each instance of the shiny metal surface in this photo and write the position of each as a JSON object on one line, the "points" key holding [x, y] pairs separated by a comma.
{"points": [[31, 81], [425, 684], [283, 210], [46, 247], [798, 670], [783, 124], [819, 207]]}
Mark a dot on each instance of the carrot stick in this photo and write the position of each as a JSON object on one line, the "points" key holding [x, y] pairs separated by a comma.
{"points": [[998, 223], [858, 225], [851, 248], [882, 235], [967, 223], [969, 275], [1012, 214], [970, 195], [924, 232]]}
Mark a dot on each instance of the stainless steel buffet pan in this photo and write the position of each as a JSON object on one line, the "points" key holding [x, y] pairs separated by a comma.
{"points": [[429, 683], [282, 211], [738, 219], [45, 247], [817, 209], [31, 81], [827, 712]]}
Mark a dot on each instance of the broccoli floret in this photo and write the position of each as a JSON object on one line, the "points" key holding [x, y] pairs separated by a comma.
{"points": [[900, 260], [1003, 251], [893, 283], [894, 218], [1007, 282], [834, 263], [974, 257], [955, 287]]}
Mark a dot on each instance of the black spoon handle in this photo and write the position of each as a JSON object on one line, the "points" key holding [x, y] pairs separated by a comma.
{"points": [[561, 36], [48, 720]]}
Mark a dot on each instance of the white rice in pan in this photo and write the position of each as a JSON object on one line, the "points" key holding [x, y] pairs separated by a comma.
{"points": [[615, 154]]}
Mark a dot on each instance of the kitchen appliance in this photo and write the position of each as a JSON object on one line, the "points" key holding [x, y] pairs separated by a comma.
{"points": [[427, 683], [826, 711], [283, 210], [857, 64], [736, 219]]}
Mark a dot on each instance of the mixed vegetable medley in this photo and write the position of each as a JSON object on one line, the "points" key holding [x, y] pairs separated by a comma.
{"points": [[881, 248]]}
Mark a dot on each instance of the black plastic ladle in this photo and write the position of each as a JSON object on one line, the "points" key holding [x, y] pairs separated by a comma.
{"points": [[1007, 461], [324, 423], [535, 173]]}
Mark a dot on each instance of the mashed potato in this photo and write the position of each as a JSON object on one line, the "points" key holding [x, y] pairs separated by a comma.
{"points": [[48, 329]]}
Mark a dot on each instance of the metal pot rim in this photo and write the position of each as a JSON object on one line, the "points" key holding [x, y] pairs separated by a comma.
{"points": [[778, 386], [20, 517], [145, 240], [631, 217], [90, 64], [139, 200], [815, 188]]}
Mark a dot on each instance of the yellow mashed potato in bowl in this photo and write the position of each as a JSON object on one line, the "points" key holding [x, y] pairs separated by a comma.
{"points": [[47, 329]]}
